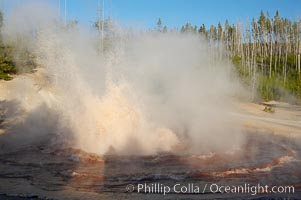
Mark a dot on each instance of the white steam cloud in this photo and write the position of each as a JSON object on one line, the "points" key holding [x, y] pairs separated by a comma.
{"points": [[149, 92]]}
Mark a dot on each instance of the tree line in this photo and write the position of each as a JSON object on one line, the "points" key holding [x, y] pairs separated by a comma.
{"points": [[266, 51]]}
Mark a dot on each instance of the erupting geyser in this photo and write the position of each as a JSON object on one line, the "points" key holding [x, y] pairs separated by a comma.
{"points": [[146, 93]]}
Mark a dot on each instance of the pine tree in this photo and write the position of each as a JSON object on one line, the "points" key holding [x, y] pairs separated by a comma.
{"points": [[159, 24]]}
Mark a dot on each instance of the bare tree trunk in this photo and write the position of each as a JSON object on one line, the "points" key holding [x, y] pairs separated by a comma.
{"points": [[276, 56], [254, 67], [279, 58], [271, 54], [298, 63], [285, 66]]}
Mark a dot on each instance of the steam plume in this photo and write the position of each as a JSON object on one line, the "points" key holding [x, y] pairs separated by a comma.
{"points": [[149, 92]]}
